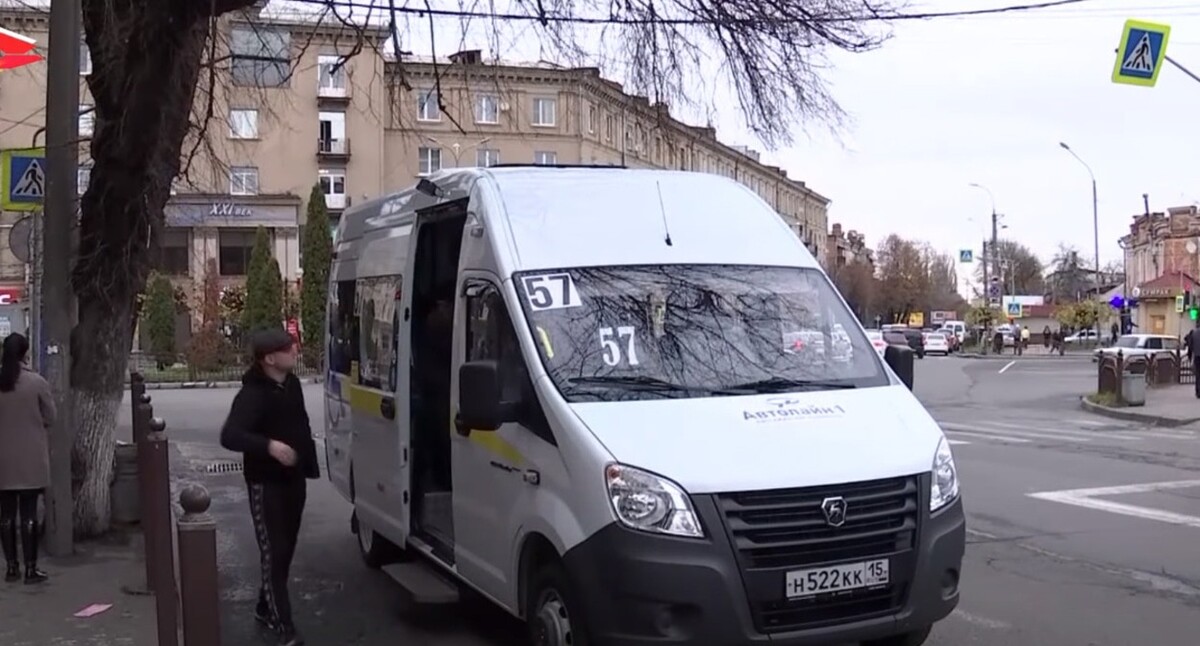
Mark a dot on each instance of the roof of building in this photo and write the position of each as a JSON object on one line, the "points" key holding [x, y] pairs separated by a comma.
{"points": [[1171, 280]]}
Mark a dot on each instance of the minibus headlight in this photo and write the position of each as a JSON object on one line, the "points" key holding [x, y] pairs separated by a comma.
{"points": [[649, 503], [944, 483]]}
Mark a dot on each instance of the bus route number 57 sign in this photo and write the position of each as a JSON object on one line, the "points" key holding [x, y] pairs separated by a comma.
{"points": [[15, 50]]}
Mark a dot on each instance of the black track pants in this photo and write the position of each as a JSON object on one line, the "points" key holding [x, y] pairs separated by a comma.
{"points": [[276, 509]]}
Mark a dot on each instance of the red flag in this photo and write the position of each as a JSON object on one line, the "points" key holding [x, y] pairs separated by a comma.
{"points": [[14, 50]]}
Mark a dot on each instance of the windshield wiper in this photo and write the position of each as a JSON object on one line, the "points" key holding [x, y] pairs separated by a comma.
{"points": [[636, 382], [781, 384]]}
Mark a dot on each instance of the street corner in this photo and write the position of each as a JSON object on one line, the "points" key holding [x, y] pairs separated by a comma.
{"points": [[1175, 502], [1161, 409]]}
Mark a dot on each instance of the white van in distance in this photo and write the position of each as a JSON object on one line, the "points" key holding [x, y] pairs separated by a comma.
{"points": [[629, 407]]}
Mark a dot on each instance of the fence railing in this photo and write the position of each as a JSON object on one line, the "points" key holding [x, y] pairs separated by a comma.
{"points": [[180, 554], [177, 370], [1162, 368]]}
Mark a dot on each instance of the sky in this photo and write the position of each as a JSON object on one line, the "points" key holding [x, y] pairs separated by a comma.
{"points": [[986, 100], [949, 102]]}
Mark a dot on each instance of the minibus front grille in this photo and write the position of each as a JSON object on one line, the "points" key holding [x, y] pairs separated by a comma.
{"points": [[782, 530]]}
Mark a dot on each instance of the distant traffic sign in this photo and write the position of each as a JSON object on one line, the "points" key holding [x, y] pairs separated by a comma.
{"points": [[23, 177], [966, 255], [1014, 310], [994, 290], [1141, 53]]}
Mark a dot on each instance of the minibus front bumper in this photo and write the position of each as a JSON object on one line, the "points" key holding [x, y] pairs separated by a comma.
{"points": [[638, 589]]}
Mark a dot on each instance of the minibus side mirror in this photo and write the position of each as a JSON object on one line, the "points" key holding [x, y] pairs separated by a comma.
{"points": [[479, 392], [900, 360]]}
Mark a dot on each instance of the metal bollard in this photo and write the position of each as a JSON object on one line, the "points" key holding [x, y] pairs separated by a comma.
{"points": [[137, 388], [146, 494], [198, 587], [143, 412], [156, 515]]}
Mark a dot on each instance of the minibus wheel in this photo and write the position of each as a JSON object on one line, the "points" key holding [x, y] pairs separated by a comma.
{"points": [[376, 551], [914, 638], [553, 617]]}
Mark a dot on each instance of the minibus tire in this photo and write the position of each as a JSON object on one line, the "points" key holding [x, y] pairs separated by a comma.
{"points": [[550, 605], [376, 551], [914, 638]]}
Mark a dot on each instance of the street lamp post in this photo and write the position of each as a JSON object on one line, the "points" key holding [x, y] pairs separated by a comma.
{"points": [[456, 148], [1095, 222]]}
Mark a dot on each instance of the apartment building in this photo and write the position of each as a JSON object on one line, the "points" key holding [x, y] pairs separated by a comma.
{"points": [[299, 104], [1162, 261], [847, 247]]}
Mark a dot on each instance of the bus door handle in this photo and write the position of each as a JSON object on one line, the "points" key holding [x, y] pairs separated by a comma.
{"points": [[387, 406]]}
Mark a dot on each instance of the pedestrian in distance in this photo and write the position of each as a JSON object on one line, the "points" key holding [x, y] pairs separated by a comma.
{"points": [[1191, 345], [26, 414], [269, 426]]}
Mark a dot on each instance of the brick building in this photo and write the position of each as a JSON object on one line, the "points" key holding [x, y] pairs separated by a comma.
{"points": [[1162, 261]]}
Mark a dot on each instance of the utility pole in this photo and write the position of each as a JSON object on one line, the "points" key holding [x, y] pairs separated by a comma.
{"points": [[996, 251], [62, 163]]}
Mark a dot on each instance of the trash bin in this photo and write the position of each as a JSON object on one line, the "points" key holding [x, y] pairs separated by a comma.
{"points": [[1133, 388], [126, 506]]}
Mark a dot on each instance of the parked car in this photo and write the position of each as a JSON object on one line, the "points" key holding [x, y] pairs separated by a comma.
{"points": [[937, 343], [951, 338], [876, 337], [916, 340], [1132, 345], [1082, 336]]}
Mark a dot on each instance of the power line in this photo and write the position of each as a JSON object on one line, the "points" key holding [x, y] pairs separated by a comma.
{"points": [[561, 18]]}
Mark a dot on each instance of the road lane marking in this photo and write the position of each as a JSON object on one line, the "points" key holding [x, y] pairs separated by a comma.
{"points": [[1091, 499], [1171, 435], [956, 442], [1087, 435], [987, 436], [1010, 435], [1007, 366], [982, 622]]}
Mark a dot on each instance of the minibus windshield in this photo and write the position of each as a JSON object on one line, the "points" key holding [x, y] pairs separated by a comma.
{"points": [[679, 331]]}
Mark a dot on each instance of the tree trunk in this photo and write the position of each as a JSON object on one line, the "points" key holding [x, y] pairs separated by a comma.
{"points": [[147, 59]]}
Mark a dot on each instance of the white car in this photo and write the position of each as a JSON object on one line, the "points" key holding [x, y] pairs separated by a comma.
{"points": [[1131, 345], [877, 342], [937, 343], [1082, 336]]}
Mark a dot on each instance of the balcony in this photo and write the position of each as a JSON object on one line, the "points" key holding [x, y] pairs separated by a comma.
{"points": [[328, 94], [336, 149], [336, 202]]}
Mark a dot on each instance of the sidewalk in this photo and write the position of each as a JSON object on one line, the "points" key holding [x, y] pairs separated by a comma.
{"points": [[1165, 406], [42, 615], [1037, 351]]}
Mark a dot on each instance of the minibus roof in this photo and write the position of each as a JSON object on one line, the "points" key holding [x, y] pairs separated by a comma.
{"points": [[580, 217]]}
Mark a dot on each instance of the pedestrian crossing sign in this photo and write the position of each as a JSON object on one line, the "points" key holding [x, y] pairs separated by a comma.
{"points": [[1013, 309], [23, 175], [1141, 53]]}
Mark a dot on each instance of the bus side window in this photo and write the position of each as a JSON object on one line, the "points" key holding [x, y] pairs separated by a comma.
{"points": [[490, 336], [343, 330]]}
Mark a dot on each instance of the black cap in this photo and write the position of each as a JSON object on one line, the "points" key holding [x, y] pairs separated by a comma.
{"points": [[265, 342]]}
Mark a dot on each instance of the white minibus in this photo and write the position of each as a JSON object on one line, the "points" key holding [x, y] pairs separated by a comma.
{"points": [[630, 408]]}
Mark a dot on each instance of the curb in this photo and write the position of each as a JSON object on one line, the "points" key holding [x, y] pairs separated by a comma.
{"points": [[1130, 416], [198, 385]]}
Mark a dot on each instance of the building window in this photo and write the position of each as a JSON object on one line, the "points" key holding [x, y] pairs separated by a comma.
{"points": [[174, 252], [487, 108], [243, 124], [331, 76], [261, 56], [545, 158], [430, 160], [487, 157], [332, 132], [85, 60], [233, 251], [83, 176], [427, 106], [87, 120], [610, 127], [333, 185], [243, 180], [544, 112]]}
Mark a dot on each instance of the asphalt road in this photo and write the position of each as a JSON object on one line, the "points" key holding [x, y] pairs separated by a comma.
{"points": [[1047, 564]]}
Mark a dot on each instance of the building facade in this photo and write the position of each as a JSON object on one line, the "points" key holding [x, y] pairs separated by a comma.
{"points": [[1162, 261], [846, 248], [295, 105]]}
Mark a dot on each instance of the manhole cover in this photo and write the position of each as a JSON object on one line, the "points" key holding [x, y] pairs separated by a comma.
{"points": [[224, 467]]}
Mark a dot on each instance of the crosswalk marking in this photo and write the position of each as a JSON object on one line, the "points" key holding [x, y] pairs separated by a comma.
{"points": [[1072, 431]]}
